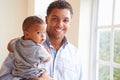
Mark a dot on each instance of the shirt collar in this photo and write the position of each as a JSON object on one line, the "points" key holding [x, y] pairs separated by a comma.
{"points": [[64, 43]]}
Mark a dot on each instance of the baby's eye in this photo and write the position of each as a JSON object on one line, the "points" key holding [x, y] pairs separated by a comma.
{"points": [[38, 32]]}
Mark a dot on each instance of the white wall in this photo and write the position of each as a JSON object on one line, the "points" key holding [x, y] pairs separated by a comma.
{"points": [[31, 7], [12, 13], [73, 32]]}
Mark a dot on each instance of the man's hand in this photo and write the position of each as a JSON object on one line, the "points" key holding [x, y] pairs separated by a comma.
{"points": [[44, 76]]}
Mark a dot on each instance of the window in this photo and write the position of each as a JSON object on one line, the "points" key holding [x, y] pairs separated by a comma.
{"points": [[41, 7], [107, 28]]}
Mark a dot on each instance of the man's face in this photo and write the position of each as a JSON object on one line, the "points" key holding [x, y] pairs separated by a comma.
{"points": [[58, 22]]}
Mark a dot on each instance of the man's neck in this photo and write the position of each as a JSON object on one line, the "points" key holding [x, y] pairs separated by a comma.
{"points": [[56, 42]]}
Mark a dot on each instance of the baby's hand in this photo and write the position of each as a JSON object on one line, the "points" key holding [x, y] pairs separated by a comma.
{"points": [[48, 59], [47, 49], [9, 45]]}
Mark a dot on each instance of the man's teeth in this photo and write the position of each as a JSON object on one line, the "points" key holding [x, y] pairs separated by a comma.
{"points": [[58, 29]]}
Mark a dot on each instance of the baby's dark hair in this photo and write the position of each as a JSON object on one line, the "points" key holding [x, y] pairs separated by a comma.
{"points": [[30, 21], [61, 4]]}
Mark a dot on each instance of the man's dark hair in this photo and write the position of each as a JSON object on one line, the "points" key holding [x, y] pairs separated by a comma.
{"points": [[30, 21], [61, 4]]}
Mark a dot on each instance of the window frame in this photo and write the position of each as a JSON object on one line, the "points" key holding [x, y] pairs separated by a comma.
{"points": [[93, 49]]}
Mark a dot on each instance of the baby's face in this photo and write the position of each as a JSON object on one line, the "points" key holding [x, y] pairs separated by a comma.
{"points": [[37, 32]]}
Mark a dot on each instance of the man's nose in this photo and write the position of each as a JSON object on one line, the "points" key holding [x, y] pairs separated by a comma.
{"points": [[60, 23]]}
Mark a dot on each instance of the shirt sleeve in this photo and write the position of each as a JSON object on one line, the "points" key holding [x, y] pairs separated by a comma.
{"points": [[6, 68]]}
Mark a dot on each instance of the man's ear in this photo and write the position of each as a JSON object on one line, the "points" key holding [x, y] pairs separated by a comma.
{"points": [[46, 19]]}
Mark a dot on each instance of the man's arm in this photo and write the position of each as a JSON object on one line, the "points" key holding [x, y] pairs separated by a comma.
{"points": [[6, 68]]}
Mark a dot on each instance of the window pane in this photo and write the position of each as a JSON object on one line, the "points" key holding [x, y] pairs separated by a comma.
{"points": [[104, 45], [105, 12], [104, 72], [117, 12], [116, 74], [117, 46]]}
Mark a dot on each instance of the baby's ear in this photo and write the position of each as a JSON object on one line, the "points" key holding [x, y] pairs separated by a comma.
{"points": [[26, 35]]}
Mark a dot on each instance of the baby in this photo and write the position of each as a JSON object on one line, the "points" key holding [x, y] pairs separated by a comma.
{"points": [[28, 50]]}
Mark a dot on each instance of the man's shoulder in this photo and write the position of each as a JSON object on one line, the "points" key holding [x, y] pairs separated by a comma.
{"points": [[70, 45]]}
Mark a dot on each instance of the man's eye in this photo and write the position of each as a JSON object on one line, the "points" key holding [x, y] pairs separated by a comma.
{"points": [[55, 19], [66, 21]]}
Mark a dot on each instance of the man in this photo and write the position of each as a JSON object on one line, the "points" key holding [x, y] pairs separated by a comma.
{"points": [[65, 63]]}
